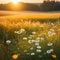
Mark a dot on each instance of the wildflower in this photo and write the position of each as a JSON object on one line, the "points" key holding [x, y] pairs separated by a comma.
{"points": [[52, 24], [48, 52], [29, 41], [16, 32], [15, 56], [31, 48], [38, 50], [51, 50], [24, 38], [54, 56], [50, 44], [36, 44], [21, 31], [41, 39], [33, 32], [32, 53], [30, 36], [38, 47], [51, 33], [25, 50], [33, 40], [8, 41]]}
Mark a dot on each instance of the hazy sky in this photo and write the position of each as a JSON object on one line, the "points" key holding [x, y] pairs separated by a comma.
{"points": [[5, 1]]}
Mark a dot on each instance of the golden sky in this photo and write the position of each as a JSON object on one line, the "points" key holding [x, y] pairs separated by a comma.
{"points": [[30, 1]]}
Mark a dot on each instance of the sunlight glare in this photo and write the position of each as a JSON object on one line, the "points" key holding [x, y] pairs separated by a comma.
{"points": [[15, 1]]}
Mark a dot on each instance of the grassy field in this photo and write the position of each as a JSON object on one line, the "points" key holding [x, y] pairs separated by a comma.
{"points": [[29, 38], [30, 14]]}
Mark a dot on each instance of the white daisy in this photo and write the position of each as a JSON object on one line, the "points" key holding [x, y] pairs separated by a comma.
{"points": [[31, 48], [32, 53], [24, 38], [38, 47], [33, 32], [21, 30], [8, 41], [48, 51], [51, 33], [33, 41], [29, 41], [42, 39], [36, 44], [50, 44], [51, 50], [38, 50], [17, 32]]}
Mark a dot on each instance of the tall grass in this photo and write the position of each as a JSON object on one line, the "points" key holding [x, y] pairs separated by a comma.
{"points": [[29, 39]]}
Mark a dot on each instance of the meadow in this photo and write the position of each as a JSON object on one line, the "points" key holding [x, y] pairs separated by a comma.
{"points": [[29, 38]]}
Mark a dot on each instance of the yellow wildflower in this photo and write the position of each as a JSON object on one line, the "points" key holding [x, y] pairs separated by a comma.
{"points": [[15, 56], [54, 56]]}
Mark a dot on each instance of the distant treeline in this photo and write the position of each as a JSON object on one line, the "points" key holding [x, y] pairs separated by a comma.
{"points": [[46, 6]]}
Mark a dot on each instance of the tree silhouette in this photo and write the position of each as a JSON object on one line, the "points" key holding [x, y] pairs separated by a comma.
{"points": [[49, 0], [48, 5], [46, 0]]}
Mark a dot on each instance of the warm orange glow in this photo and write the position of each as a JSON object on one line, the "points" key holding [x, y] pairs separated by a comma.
{"points": [[15, 56], [54, 56], [15, 1]]}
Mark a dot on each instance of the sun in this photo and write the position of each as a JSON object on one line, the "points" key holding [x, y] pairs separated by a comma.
{"points": [[15, 1]]}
